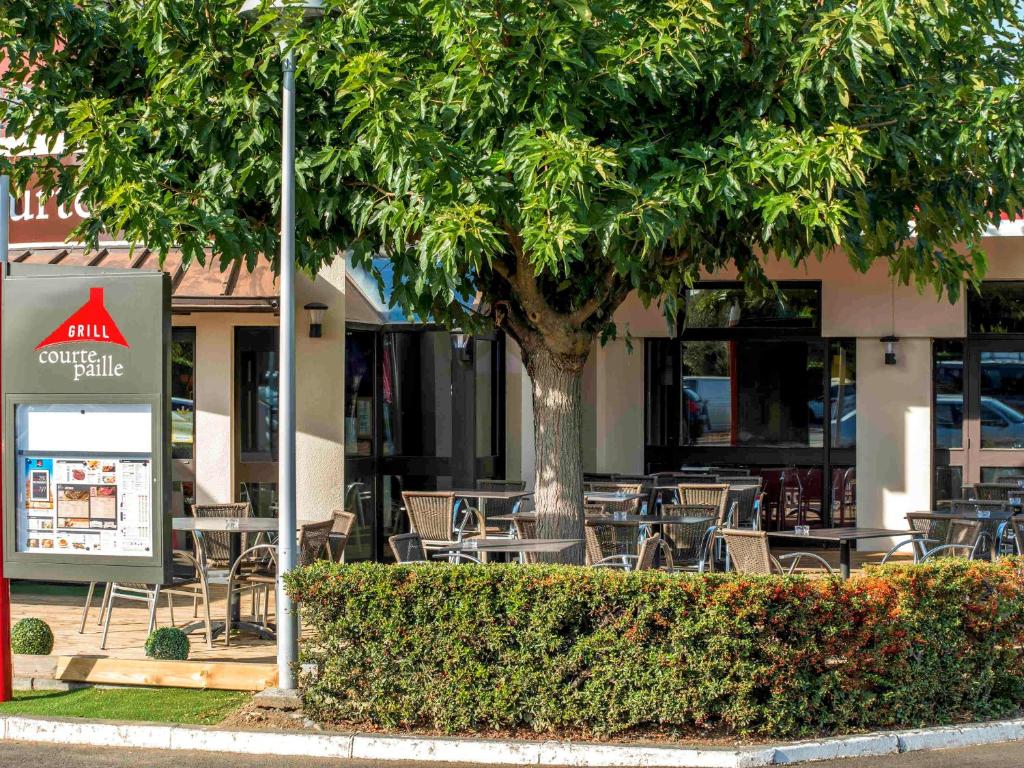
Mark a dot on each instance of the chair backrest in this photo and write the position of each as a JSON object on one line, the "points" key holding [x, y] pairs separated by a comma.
{"points": [[1017, 521], [748, 550], [343, 522], [431, 514], [741, 480], [933, 526], [708, 495], [629, 506], [356, 497], [743, 496], [602, 540], [218, 544], [973, 505], [495, 507], [992, 491], [313, 539], [687, 542], [695, 477], [594, 510], [654, 553], [964, 532], [408, 548], [1010, 480]]}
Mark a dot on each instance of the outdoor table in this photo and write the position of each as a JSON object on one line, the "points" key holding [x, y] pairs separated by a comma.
{"points": [[842, 536], [611, 496], [521, 547], [236, 526]]}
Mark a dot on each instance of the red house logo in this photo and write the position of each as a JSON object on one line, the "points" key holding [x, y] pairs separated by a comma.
{"points": [[89, 324]]}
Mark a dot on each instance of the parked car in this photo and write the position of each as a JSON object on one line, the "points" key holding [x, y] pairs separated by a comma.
{"points": [[697, 419], [817, 406], [716, 393], [1002, 425]]}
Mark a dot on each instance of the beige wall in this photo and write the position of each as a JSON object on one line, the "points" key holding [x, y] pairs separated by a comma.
{"points": [[894, 435], [619, 406], [519, 455], [320, 394]]}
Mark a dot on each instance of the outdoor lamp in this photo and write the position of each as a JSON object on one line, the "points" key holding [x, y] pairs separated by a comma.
{"points": [[890, 349], [463, 345], [316, 311]]}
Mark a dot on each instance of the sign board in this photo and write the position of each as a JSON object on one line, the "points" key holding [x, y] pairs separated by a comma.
{"points": [[86, 424]]}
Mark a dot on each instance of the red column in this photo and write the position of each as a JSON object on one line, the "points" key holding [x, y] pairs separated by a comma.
{"points": [[6, 665]]}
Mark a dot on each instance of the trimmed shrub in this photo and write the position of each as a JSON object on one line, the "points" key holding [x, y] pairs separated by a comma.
{"points": [[582, 650], [168, 644], [32, 636]]}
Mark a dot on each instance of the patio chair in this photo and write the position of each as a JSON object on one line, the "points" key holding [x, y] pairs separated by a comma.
{"points": [[933, 526], [991, 492], [606, 543], [217, 544], [716, 495], [653, 553], [256, 570], [527, 529], [490, 508], [750, 553], [188, 579], [741, 498], [690, 544], [432, 514], [338, 538], [407, 548], [626, 506], [963, 539], [1017, 524], [594, 510]]}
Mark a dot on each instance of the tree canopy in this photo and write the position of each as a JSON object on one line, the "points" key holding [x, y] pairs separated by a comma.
{"points": [[550, 156]]}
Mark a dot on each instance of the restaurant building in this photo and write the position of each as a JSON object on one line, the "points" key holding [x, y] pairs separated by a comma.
{"points": [[842, 424]]}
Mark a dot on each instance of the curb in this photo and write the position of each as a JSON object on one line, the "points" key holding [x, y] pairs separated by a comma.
{"points": [[493, 751]]}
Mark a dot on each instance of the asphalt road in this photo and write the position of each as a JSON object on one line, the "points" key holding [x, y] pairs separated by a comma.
{"points": [[16, 755]]}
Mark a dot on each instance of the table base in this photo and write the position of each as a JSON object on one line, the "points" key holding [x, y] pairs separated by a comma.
{"points": [[263, 632]]}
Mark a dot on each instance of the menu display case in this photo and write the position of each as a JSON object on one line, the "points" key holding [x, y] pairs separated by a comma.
{"points": [[86, 424]]}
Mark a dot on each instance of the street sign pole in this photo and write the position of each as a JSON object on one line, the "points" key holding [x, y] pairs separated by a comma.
{"points": [[6, 665]]}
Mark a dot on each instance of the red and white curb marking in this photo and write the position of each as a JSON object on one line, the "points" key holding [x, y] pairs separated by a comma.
{"points": [[490, 751]]}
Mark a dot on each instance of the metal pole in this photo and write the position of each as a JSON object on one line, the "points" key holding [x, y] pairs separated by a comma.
{"points": [[287, 621], [6, 664]]}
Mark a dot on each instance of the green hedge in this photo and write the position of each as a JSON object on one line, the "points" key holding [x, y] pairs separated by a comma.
{"points": [[553, 648]]}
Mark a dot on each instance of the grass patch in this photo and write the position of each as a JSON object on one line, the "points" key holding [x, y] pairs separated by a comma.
{"points": [[166, 705], [50, 589]]}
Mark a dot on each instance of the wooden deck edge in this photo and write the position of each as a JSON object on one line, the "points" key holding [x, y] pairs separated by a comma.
{"points": [[216, 675]]}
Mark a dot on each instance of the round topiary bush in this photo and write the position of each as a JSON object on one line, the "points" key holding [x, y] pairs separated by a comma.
{"points": [[168, 644], [32, 636]]}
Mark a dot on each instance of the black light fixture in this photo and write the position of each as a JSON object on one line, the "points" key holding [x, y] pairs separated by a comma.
{"points": [[464, 345], [890, 349], [316, 311]]}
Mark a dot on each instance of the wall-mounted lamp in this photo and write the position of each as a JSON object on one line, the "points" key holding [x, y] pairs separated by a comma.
{"points": [[890, 349], [463, 345], [735, 312], [316, 311]]}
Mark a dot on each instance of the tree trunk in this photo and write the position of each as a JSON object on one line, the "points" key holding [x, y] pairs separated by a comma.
{"points": [[558, 445]]}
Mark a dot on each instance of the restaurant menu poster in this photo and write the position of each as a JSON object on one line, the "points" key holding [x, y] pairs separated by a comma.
{"points": [[87, 505]]}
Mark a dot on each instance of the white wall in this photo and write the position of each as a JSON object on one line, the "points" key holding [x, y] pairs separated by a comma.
{"points": [[320, 396], [519, 453], [619, 406], [894, 435]]}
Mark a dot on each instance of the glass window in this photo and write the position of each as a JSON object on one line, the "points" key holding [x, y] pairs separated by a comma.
{"points": [[842, 394], [359, 369], [1002, 474], [416, 370], [948, 379], [183, 403], [256, 362], [753, 393], [1002, 399], [661, 390], [796, 307], [484, 361], [998, 308]]}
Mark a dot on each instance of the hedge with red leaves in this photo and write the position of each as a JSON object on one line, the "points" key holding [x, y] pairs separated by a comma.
{"points": [[555, 648]]}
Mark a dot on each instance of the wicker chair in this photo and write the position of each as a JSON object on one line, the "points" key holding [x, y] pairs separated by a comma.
{"points": [[432, 516], [606, 543], [338, 539], [962, 540], [527, 529], [742, 498], [689, 543], [750, 553], [654, 553], [1017, 522], [407, 548], [594, 510], [934, 528], [626, 506], [490, 508], [716, 495], [992, 491], [217, 545]]}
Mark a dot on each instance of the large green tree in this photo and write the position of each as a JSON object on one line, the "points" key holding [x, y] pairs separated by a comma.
{"points": [[546, 156]]}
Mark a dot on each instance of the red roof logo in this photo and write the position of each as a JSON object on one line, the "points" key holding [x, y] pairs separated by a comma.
{"points": [[91, 324]]}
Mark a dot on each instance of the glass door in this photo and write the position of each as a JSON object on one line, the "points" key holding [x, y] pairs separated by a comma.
{"points": [[995, 410]]}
